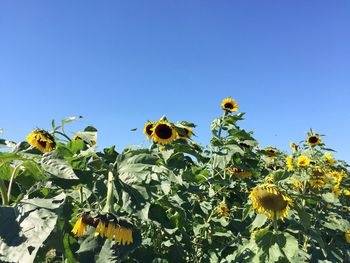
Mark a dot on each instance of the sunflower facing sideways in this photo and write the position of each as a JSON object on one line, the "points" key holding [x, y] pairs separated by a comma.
{"points": [[313, 140], [187, 133], [147, 129], [163, 132], [267, 199], [229, 105], [42, 140]]}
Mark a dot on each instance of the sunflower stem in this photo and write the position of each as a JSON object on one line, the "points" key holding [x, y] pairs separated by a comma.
{"points": [[3, 190], [219, 135], [275, 229], [11, 181], [108, 208], [63, 134]]}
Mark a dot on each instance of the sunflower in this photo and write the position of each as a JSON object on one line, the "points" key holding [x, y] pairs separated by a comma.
{"points": [[239, 173], [293, 146], [336, 190], [297, 183], [344, 209], [346, 192], [113, 231], [223, 210], [187, 133], [229, 105], [270, 152], [79, 228], [329, 158], [337, 175], [313, 140], [78, 138], [147, 129], [163, 132], [303, 161], [289, 162], [267, 199], [347, 236], [42, 140], [318, 182]]}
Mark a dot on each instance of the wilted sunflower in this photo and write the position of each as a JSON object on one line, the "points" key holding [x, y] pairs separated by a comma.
{"points": [[42, 140], [147, 129], [293, 146], [289, 162], [329, 158], [303, 161], [229, 104], [313, 140], [267, 199], [163, 132], [223, 210], [79, 228], [347, 236], [270, 152]]}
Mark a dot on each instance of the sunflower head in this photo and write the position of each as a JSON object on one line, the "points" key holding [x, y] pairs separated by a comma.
{"points": [[289, 162], [318, 182], [163, 132], [267, 199], [223, 210], [329, 158], [270, 152], [303, 161], [229, 105], [147, 129], [42, 140], [337, 175], [313, 140], [347, 236], [346, 192], [238, 173], [186, 132], [108, 226], [293, 146], [78, 138], [79, 228]]}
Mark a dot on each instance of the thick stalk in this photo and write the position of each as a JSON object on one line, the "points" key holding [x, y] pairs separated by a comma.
{"points": [[110, 198], [219, 135], [11, 181], [3, 190]]}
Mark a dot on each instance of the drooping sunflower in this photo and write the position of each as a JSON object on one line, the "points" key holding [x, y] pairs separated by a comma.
{"points": [[267, 199], [42, 140], [270, 152], [313, 140], [303, 161], [113, 231], [147, 129], [329, 158], [289, 162], [79, 228], [229, 105], [223, 210], [163, 132]]}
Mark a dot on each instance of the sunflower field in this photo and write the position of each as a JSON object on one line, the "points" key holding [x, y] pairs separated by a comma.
{"points": [[63, 200]]}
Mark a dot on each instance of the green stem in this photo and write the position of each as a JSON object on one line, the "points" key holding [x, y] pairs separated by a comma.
{"points": [[5, 200], [275, 224], [219, 135], [11, 181], [109, 199], [64, 135]]}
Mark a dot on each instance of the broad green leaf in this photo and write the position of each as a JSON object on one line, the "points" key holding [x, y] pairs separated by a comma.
{"points": [[57, 167]]}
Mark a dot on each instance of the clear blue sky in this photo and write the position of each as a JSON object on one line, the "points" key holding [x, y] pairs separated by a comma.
{"points": [[120, 63]]}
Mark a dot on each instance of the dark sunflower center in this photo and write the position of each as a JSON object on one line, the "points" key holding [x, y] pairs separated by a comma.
{"points": [[163, 131], [313, 139], [272, 201], [187, 132], [148, 129], [42, 143], [228, 105]]}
